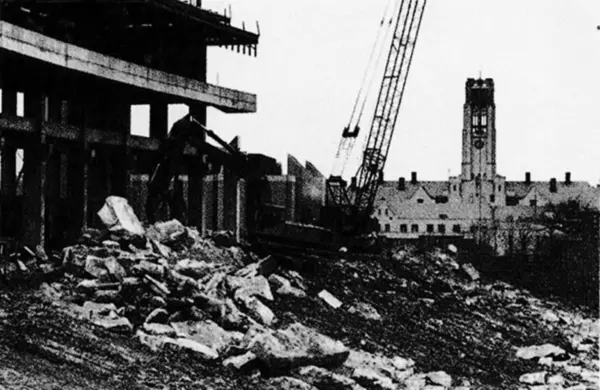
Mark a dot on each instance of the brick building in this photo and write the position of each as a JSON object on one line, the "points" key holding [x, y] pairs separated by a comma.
{"points": [[479, 195]]}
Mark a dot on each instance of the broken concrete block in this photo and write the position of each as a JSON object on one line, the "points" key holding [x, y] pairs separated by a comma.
{"points": [[283, 286], [365, 311], [95, 267], [324, 379], [288, 383], [155, 343], [371, 378], [207, 333], [159, 329], [193, 268], [330, 299], [243, 288], [112, 245], [440, 378], [295, 346], [402, 364], [241, 363], [545, 361], [115, 270], [158, 302], [414, 383], [557, 379], [471, 271], [200, 350], [264, 267], [539, 351], [87, 286], [258, 310], [549, 316], [119, 324], [145, 267], [93, 310], [534, 378], [158, 316], [117, 215], [156, 286], [107, 296], [166, 232]]}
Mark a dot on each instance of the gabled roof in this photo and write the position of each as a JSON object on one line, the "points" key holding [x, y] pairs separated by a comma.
{"points": [[389, 190], [580, 190]]}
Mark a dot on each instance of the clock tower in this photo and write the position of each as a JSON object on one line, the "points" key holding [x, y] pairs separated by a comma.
{"points": [[479, 131]]}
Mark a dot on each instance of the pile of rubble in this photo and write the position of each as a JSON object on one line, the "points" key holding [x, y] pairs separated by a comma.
{"points": [[350, 325], [175, 290]]}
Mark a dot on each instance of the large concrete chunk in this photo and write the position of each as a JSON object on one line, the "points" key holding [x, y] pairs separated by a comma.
{"points": [[165, 232], [117, 215], [323, 379], [193, 268], [207, 333], [199, 349], [288, 383], [249, 287], [330, 299], [295, 346], [259, 310], [539, 351], [94, 266], [373, 379], [241, 362]]}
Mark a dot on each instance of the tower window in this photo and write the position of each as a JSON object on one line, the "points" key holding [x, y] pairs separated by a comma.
{"points": [[456, 228], [386, 212], [387, 227], [499, 188], [420, 200], [533, 202], [414, 228], [403, 228], [379, 211], [484, 118], [454, 187], [492, 198], [429, 228], [442, 228]]}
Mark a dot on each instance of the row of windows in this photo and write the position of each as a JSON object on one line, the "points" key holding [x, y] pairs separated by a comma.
{"points": [[430, 228]]}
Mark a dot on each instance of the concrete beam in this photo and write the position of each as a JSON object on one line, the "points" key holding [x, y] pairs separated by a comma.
{"points": [[93, 136], [52, 51]]}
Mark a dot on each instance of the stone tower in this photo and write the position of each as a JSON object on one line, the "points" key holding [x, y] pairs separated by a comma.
{"points": [[479, 131]]}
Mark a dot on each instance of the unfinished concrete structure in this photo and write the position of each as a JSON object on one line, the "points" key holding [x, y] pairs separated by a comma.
{"points": [[75, 68]]}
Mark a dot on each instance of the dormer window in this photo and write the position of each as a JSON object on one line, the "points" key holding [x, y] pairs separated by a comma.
{"points": [[420, 200]]}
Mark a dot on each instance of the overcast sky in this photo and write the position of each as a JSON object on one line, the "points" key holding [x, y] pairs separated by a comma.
{"points": [[543, 55]]}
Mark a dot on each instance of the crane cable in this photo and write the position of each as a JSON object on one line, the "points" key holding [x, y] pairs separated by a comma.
{"points": [[379, 56], [346, 144], [370, 64]]}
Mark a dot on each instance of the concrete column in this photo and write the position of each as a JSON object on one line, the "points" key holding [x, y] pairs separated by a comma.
{"points": [[159, 120], [231, 203], [290, 198], [34, 178], [196, 176]]}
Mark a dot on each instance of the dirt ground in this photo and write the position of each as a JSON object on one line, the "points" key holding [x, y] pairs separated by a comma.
{"points": [[433, 315]]}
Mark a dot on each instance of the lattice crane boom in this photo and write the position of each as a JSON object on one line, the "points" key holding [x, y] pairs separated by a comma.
{"points": [[360, 197]]}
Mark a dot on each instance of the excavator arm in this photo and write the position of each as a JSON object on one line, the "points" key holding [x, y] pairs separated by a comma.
{"points": [[187, 130]]}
